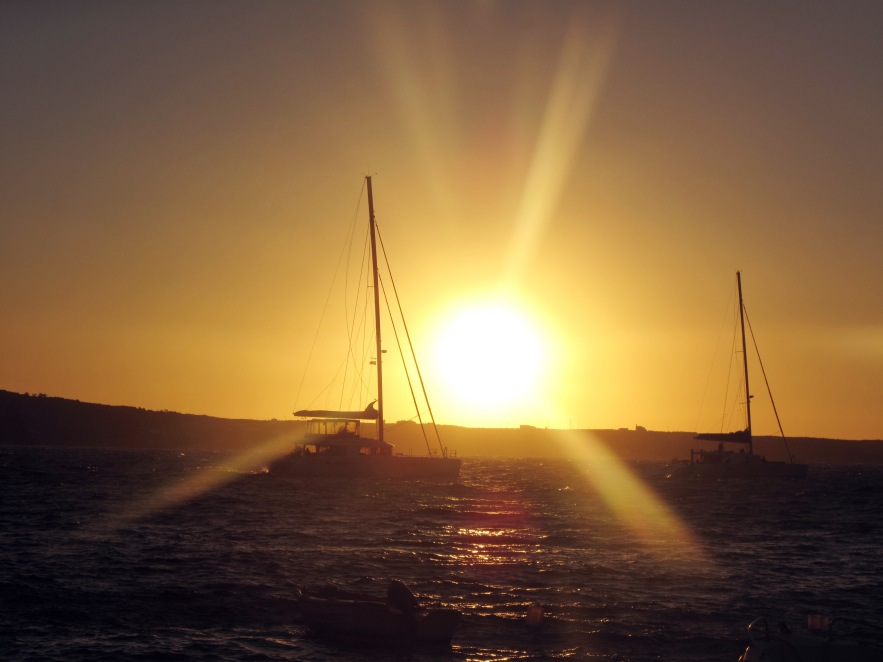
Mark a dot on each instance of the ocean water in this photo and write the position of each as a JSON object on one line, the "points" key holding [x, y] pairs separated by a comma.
{"points": [[140, 555]]}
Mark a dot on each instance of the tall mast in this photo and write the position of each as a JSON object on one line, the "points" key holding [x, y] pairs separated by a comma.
{"points": [[744, 360], [377, 311]]}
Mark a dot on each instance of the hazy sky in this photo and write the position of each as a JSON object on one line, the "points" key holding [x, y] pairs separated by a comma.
{"points": [[177, 178]]}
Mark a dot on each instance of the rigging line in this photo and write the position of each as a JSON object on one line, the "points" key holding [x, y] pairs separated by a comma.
{"points": [[411, 345], [395, 333], [352, 329], [723, 325], [328, 298], [324, 394], [728, 412], [740, 382], [360, 385], [345, 400], [741, 387], [768, 389], [350, 325], [366, 337], [326, 389]]}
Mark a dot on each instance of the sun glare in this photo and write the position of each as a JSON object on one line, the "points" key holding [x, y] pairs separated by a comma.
{"points": [[656, 527], [491, 360]]}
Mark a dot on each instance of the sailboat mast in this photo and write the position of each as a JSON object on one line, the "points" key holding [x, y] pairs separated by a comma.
{"points": [[744, 361], [377, 310]]}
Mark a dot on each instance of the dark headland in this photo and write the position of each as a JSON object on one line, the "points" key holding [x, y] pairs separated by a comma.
{"points": [[40, 420]]}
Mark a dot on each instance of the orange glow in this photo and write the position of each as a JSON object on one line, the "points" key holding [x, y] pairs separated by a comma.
{"points": [[173, 194]]}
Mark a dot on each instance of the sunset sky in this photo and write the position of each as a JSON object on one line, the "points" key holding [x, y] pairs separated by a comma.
{"points": [[177, 178]]}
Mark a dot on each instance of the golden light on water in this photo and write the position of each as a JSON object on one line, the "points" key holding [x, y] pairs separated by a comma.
{"points": [[202, 480], [655, 526], [580, 514], [507, 528]]}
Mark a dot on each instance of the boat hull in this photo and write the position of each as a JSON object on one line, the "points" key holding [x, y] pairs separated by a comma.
{"points": [[392, 466], [743, 470]]}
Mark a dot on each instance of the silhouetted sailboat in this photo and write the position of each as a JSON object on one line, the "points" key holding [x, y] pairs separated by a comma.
{"points": [[334, 445], [724, 462]]}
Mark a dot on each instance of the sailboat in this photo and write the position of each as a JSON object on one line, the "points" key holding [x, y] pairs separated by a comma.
{"points": [[724, 462], [334, 445]]}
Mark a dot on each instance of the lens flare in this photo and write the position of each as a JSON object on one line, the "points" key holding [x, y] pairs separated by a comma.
{"points": [[179, 492], [582, 68], [651, 522]]}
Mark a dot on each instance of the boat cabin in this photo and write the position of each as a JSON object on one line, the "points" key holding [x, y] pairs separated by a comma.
{"points": [[339, 438], [722, 456]]}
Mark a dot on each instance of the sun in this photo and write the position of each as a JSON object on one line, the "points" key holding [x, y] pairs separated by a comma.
{"points": [[490, 360]]}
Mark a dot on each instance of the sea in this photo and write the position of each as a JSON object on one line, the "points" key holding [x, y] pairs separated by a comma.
{"points": [[158, 555]]}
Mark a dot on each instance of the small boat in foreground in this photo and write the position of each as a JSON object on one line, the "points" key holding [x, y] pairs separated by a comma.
{"points": [[396, 620], [334, 446], [825, 640], [724, 462]]}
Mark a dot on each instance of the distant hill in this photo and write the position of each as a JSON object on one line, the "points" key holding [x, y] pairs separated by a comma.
{"points": [[39, 420], [646, 445]]}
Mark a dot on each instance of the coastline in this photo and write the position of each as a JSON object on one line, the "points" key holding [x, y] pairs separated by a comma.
{"points": [[40, 420]]}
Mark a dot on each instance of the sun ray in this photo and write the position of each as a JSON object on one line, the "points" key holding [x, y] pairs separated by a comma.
{"points": [[582, 68], [652, 523], [201, 481]]}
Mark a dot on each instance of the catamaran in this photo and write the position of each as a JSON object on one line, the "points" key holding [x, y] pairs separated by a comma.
{"points": [[334, 444]]}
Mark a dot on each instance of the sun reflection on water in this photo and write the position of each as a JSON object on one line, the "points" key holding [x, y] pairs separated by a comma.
{"points": [[590, 519]]}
